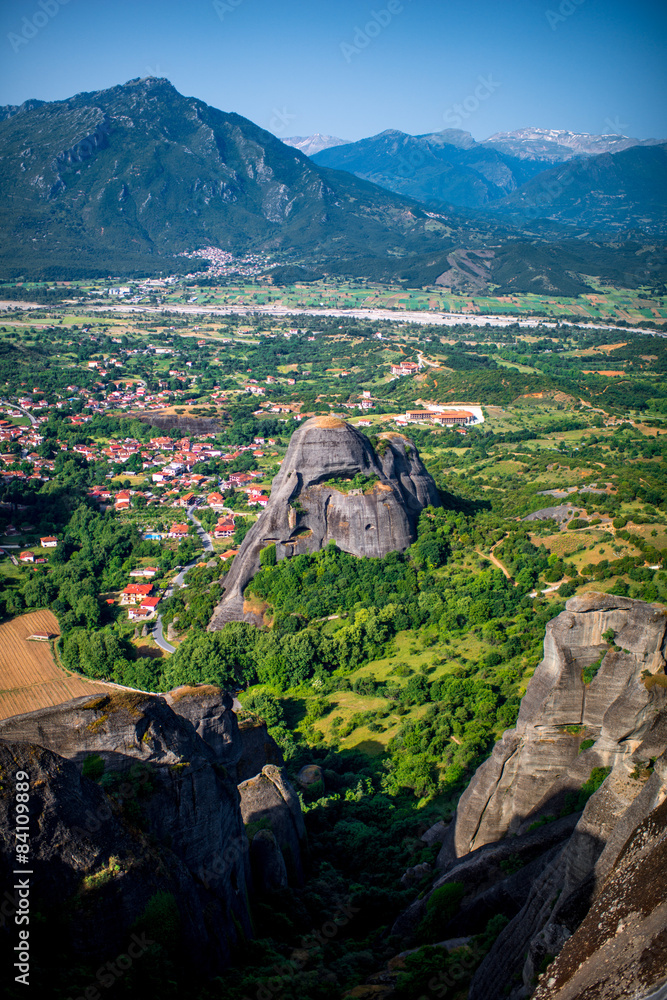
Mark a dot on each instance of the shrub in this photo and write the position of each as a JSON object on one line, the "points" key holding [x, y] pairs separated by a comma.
{"points": [[589, 672], [442, 905], [93, 767]]}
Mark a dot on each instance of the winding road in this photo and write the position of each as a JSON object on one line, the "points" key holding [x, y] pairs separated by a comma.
{"points": [[26, 413], [157, 632], [494, 559]]}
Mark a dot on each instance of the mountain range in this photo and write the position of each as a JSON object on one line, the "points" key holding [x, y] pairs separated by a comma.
{"points": [[125, 180], [311, 144], [607, 182]]}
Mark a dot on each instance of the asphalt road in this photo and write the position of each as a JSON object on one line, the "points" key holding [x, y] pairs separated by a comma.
{"points": [[179, 580]]}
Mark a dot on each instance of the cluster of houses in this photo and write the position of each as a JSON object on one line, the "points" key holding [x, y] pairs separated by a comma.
{"points": [[434, 415], [406, 368], [140, 601]]}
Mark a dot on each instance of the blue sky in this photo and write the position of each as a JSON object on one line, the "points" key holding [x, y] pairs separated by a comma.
{"points": [[352, 68]]}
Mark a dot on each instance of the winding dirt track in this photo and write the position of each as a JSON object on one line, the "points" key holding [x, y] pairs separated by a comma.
{"points": [[494, 559]]}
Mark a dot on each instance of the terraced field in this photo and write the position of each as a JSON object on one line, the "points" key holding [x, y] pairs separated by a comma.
{"points": [[29, 677]]}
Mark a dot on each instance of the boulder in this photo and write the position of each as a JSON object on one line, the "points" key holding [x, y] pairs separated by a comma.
{"points": [[269, 802]]}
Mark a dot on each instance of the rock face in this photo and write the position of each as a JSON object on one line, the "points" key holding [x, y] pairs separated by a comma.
{"points": [[96, 875], [304, 513], [269, 804], [600, 866], [534, 765], [179, 811], [172, 788], [210, 711]]}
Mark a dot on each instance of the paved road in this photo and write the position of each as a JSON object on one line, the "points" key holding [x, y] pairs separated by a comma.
{"points": [[158, 635], [179, 581], [16, 406]]}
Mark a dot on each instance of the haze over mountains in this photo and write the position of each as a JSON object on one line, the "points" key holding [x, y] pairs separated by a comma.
{"points": [[520, 174], [124, 180]]}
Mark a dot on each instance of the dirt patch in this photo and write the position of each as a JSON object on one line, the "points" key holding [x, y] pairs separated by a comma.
{"points": [[188, 690], [254, 605]]}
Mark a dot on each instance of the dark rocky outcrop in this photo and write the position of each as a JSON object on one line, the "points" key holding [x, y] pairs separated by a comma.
{"points": [[169, 765], [96, 875], [304, 513], [210, 711], [584, 887], [270, 804]]}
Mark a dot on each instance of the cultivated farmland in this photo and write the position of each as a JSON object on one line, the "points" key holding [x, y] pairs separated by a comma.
{"points": [[29, 677]]}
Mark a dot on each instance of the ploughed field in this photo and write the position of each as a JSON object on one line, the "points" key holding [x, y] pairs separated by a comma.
{"points": [[29, 677]]}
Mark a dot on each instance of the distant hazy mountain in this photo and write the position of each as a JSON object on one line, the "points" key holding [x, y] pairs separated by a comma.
{"points": [[557, 146], [557, 175], [311, 144], [613, 192], [441, 168]]}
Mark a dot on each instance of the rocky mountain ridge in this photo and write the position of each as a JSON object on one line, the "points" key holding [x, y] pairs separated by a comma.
{"points": [[311, 144], [126, 180], [307, 509], [134, 175], [607, 182]]}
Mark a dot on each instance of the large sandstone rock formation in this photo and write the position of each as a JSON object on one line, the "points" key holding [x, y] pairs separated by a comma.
{"points": [[534, 765], [586, 886], [179, 813], [304, 513]]}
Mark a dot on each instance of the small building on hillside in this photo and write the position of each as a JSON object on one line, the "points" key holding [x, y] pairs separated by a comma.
{"points": [[405, 368], [48, 542], [135, 593]]}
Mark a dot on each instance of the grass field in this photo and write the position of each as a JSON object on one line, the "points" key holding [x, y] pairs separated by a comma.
{"points": [[29, 677]]}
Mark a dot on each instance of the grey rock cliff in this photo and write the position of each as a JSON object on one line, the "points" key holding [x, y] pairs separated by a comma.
{"points": [[304, 514], [534, 765], [584, 886], [270, 804]]}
